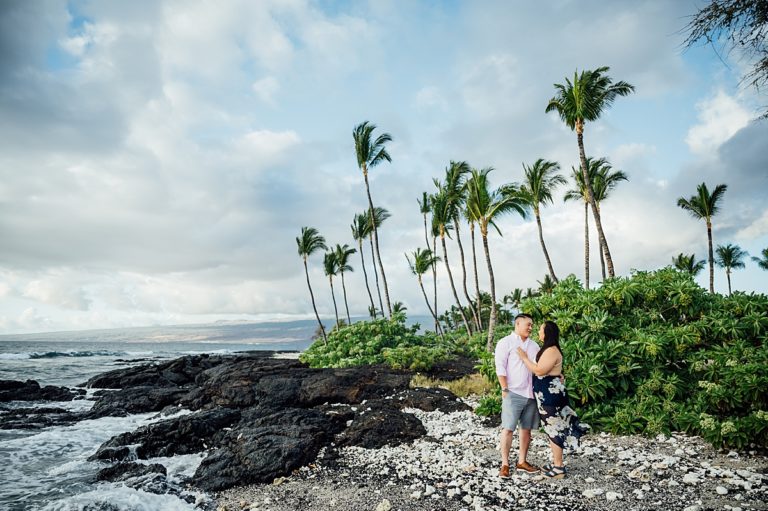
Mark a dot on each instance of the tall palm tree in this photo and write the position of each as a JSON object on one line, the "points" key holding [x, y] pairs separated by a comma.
{"points": [[704, 206], [456, 189], [730, 257], [688, 263], [331, 267], [762, 261], [579, 192], [371, 152], [441, 216], [379, 215], [578, 102], [361, 227], [308, 243], [485, 206], [423, 260], [478, 302], [425, 207], [435, 232], [342, 254], [605, 180], [540, 181]]}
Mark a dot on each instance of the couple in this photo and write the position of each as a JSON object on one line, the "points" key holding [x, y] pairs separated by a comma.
{"points": [[525, 371]]}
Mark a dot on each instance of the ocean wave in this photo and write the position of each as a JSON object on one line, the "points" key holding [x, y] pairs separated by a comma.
{"points": [[56, 354]]}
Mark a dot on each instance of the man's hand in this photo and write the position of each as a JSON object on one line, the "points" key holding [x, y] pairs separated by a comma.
{"points": [[522, 354]]}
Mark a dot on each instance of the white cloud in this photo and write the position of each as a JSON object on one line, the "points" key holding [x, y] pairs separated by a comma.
{"points": [[266, 88], [756, 229], [720, 117]]}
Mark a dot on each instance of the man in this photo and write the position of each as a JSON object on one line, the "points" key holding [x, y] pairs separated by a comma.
{"points": [[518, 407]]}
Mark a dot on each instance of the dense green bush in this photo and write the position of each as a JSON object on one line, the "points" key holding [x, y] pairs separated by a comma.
{"points": [[655, 353], [380, 341]]}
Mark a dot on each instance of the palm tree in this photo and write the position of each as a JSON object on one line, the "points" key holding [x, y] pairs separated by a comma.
{"points": [[425, 207], [331, 267], [704, 205], [308, 243], [688, 263], [456, 189], [606, 179], [584, 100], [514, 298], [361, 227], [424, 259], [399, 308], [485, 206], [762, 261], [379, 215], [371, 152], [441, 216], [546, 285], [478, 303], [435, 232], [580, 192], [539, 182], [342, 254], [730, 257]]}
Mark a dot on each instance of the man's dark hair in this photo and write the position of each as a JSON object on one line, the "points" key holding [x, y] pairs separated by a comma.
{"points": [[523, 315]]}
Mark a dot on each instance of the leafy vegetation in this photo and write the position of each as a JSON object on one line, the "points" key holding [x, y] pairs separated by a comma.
{"points": [[655, 353]]}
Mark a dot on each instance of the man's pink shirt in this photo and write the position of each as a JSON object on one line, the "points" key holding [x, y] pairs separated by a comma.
{"points": [[508, 363]]}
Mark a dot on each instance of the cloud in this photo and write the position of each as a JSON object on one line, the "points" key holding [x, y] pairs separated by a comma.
{"points": [[266, 88], [157, 160], [720, 117]]}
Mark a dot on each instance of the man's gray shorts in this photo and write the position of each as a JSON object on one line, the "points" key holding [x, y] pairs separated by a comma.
{"points": [[518, 409]]}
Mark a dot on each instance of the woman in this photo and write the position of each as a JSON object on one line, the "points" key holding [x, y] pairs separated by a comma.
{"points": [[558, 418]]}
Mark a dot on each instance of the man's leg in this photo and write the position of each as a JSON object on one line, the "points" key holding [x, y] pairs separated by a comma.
{"points": [[506, 443], [525, 441]]}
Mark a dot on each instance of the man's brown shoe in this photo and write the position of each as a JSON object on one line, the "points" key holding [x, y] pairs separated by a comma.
{"points": [[527, 467], [504, 472]]}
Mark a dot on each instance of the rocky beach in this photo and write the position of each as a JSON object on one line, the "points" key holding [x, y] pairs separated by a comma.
{"points": [[271, 433]]}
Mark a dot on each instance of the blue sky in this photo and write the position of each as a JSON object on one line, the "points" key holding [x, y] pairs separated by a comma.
{"points": [[157, 159]]}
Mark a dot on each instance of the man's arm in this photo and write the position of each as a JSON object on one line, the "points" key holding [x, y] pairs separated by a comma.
{"points": [[500, 357]]}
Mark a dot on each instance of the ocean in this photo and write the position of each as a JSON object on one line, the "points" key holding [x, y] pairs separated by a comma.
{"points": [[47, 469]]}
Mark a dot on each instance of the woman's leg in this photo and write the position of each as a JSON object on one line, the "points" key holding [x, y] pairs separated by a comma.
{"points": [[557, 454]]}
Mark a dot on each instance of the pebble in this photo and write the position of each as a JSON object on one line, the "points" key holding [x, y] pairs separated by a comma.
{"points": [[721, 490], [612, 495], [384, 505]]}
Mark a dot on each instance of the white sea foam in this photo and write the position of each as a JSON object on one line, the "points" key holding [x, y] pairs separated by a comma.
{"points": [[119, 498]]}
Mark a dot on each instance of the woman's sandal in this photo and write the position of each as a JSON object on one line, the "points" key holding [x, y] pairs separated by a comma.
{"points": [[549, 466], [553, 472]]}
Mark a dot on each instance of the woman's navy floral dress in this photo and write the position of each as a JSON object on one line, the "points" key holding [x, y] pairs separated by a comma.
{"points": [[560, 422]]}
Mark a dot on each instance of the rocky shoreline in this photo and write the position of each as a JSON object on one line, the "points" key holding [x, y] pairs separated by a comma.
{"points": [[455, 467], [275, 434]]}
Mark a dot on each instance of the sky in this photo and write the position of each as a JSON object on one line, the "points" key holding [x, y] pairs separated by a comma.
{"points": [[158, 158]]}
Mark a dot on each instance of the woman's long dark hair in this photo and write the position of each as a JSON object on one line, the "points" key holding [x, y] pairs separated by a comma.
{"points": [[551, 338]]}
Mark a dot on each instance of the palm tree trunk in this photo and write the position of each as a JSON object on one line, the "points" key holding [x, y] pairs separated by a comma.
{"points": [[365, 274], [602, 254], [376, 274], [453, 287], [492, 321], [346, 305], [464, 274], [335, 309], [544, 247], [434, 271], [438, 329], [591, 198], [711, 259], [728, 275], [586, 245], [376, 242], [477, 282], [314, 307]]}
